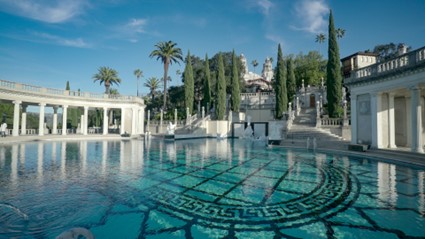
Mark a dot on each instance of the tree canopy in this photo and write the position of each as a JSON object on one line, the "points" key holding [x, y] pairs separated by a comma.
{"points": [[310, 67], [107, 76], [387, 51]]}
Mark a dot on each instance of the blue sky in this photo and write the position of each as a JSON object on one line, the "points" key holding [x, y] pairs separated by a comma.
{"points": [[47, 42]]}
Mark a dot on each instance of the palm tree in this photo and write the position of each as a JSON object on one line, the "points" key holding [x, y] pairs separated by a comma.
{"points": [[153, 84], [139, 74], [320, 38], [108, 77], [340, 33], [254, 64], [168, 53]]}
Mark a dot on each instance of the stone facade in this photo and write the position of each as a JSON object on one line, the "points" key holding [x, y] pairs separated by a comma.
{"points": [[388, 101]]}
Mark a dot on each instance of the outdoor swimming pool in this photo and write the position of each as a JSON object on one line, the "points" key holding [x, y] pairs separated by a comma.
{"points": [[204, 189]]}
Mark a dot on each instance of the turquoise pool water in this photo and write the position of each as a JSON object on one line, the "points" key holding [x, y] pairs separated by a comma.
{"points": [[204, 189]]}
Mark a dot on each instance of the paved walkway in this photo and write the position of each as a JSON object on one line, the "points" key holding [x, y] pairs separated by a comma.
{"points": [[29, 138]]}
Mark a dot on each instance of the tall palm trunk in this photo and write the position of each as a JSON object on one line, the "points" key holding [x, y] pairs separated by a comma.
{"points": [[107, 86], [166, 64]]}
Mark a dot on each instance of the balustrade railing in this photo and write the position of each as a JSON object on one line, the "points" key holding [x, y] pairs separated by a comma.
{"points": [[50, 91], [334, 121], [405, 61], [331, 121]]}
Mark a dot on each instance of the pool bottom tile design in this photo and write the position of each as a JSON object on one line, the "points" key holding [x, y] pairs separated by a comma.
{"points": [[248, 192]]}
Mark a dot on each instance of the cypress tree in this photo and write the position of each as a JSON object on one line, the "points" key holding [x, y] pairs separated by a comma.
{"points": [[280, 87], [291, 85], [67, 86], [221, 90], [207, 85], [333, 78], [236, 96], [189, 87]]}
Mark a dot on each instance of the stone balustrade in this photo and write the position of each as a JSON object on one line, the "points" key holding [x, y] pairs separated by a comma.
{"points": [[402, 62], [30, 89], [331, 121]]}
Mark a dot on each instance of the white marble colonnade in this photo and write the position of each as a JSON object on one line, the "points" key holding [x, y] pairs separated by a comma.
{"points": [[396, 119], [137, 120]]}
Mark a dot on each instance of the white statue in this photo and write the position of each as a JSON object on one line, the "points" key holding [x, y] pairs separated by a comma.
{"points": [[171, 128]]}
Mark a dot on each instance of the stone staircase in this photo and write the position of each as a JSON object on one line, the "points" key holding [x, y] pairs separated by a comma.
{"points": [[193, 128], [304, 128]]}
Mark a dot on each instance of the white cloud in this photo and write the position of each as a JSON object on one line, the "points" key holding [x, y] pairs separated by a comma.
{"points": [[53, 39], [265, 6], [50, 11], [311, 14], [136, 25]]}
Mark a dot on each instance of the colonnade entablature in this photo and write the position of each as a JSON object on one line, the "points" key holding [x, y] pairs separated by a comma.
{"points": [[23, 95]]}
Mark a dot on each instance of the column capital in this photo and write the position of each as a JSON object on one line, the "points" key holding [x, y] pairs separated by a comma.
{"points": [[414, 88], [17, 102], [65, 106], [391, 94], [42, 104]]}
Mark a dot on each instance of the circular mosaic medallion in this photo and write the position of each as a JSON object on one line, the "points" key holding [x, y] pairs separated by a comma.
{"points": [[303, 193]]}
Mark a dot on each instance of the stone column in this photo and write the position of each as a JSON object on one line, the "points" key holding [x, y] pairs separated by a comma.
{"points": [[55, 120], [203, 112], [187, 116], [15, 131], [133, 121], [290, 111], [149, 121], [64, 119], [105, 121], [122, 131], [85, 123], [81, 123], [391, 122], [141, 120], [24, 120], [376, 116], [345, 119], [318, 121], [41, 120], [417, 143], [175, 117], [353, 118], [321, 102], [298, 106]]}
